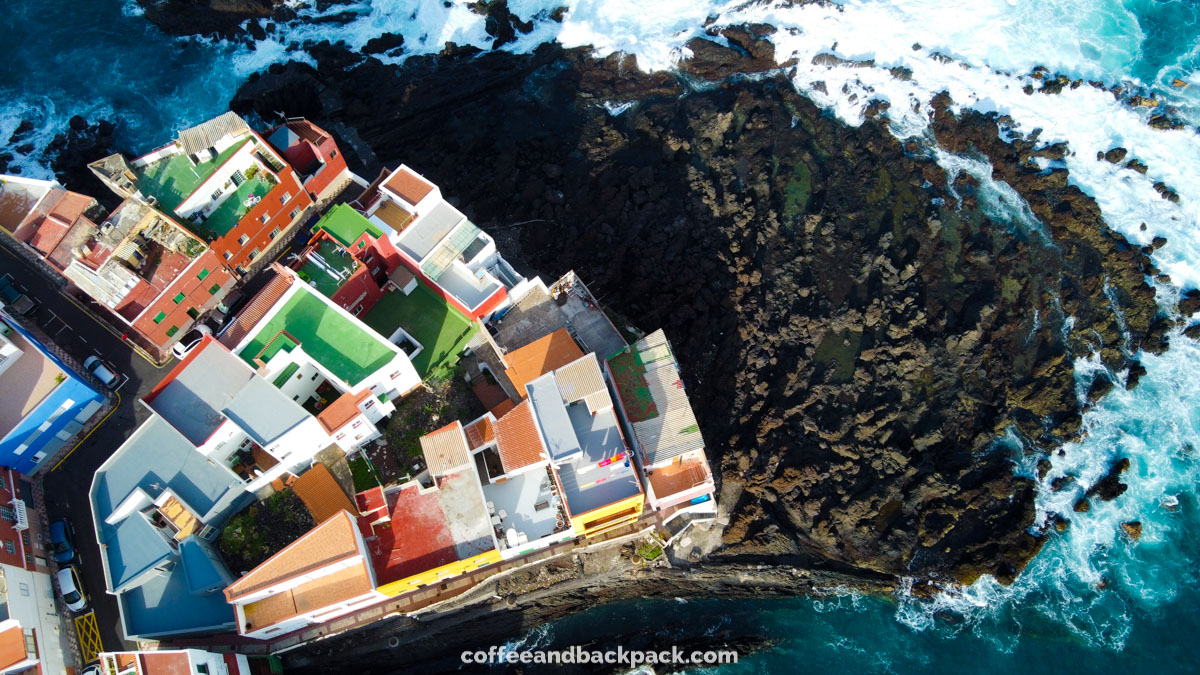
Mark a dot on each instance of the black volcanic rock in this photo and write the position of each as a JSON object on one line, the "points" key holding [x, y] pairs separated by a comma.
{"points": [[69, 153], [852, 347], [203, 17]]}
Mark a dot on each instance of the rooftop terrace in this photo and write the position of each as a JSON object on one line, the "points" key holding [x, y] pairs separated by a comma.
{"points": [[172, 178], [432, 529], [239, 202], [327, 267], [442, 330], [346, 225], [333, 340]]}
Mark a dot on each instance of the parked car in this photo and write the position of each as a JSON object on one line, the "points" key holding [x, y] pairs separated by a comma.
{"points": [[92, 669], [189, 341], [102, 372], [62, 541], [14, 300], [71, 589]]}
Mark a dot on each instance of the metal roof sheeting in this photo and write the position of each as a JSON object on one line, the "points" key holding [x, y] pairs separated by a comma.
{"points": [[446, 449], [206, 134], [674, 431], [581, 380]]}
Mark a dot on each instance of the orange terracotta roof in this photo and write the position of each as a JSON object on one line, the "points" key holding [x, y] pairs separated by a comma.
{"points": [[343, 409], [320, 492], [170, 663], [256, 309], [333, 541], [446, 449], [12, 646], [517, 438], [539, 357], [502, 408], [679, 477], [411, 187], [331, 589], [480, 432]]}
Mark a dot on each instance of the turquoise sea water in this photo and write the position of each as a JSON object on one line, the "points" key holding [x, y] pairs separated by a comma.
{"points": [[100, 59]]}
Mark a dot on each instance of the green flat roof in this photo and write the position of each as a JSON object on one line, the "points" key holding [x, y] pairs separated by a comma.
{"points": [[337, 343], [319, 276], [232, 209], [171, 179], [346, 225], [442, 330], [629, 376]]}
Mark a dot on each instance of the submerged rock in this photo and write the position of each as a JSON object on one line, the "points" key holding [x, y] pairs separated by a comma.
{"points": [[1133, 528]]}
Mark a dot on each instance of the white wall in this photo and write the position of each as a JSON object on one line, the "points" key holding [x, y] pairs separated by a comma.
{"points": [[202, 197], [31, 601]]}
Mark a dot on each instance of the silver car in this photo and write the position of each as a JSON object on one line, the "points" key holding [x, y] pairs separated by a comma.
{"points": [[71, 589]]}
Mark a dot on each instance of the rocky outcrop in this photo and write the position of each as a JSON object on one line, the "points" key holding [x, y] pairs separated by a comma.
{"points": [[203, 17], [855, 333], [70, 151]]}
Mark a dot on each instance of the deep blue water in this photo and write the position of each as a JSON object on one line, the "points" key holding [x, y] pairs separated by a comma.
{"points": [[99, 58]]}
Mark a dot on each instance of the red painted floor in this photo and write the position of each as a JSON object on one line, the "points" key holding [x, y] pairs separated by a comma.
{"points": [[417, 538]]}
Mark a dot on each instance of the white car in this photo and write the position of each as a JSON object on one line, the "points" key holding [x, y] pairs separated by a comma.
{"points": [[106, 376], [71, 589], [189, 341]]}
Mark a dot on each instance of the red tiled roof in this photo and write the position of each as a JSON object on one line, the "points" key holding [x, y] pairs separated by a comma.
{"points": [[307, 130], [408, 185], [257, 309], [343, 409], [517, 438], [547, 353], [480, 432], [171, 663], [52, 230], [502, 409], [330, 542], [320, 492]]}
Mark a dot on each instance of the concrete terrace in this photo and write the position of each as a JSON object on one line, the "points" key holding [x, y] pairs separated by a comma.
{"points": [[172, 178], [442, 330], [347, 351]]}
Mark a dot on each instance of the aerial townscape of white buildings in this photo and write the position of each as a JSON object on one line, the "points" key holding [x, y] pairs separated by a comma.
{"points": [[588, 431]]}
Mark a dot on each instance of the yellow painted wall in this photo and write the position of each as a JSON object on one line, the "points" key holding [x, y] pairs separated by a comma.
{"points": [[578, 523], [439, 574]]}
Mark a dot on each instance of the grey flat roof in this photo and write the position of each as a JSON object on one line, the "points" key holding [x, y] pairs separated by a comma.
{"points": [[193, 401], [586, 485], [419, 239], [264, 412], [551, 416]]}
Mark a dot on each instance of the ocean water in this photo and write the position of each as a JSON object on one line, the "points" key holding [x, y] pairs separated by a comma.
{"points": [[1093, 599]]}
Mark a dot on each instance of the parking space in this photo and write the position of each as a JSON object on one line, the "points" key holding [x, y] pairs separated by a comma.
{"points": [[88, 633]]}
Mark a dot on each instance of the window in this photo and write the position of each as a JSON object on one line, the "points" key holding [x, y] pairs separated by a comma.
{"points": [[292, 215], [179, 298], [238, 177], [6, 513], [172, 331], [158, 318], [314, 377], [361, 244], [254, 254], [203, 274], [357, 424], [193, 312], [243, 239], [215, 195], [358, 310], [214, 289], [264, 218], [283, 198], [25, 538], [9, 546], [202, 669], [275, 233], [332, 154], [3, 484], [228, 255]]}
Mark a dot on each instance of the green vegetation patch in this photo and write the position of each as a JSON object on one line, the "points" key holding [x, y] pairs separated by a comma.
{"points": [[797, 193], [837, 352], [629, 374], [365, 476], [262, 530]]}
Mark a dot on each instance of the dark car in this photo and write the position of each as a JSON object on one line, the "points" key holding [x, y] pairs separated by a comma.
{"points": [[20, 303], [62, 541]]}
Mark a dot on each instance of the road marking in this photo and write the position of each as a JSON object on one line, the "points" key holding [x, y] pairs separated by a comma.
{"points": [[110, 412], [88, 634]]}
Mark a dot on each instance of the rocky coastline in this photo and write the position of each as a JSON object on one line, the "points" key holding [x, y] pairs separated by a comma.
{"points": [[869, 352]]}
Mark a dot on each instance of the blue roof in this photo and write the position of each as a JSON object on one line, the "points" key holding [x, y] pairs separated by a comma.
{"points": [[165, 606], [156, 458], [202, 567], [133, 549]]}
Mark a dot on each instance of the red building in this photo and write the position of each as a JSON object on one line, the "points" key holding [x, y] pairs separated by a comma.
{"points": [[349, 260], [312, 152]]}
